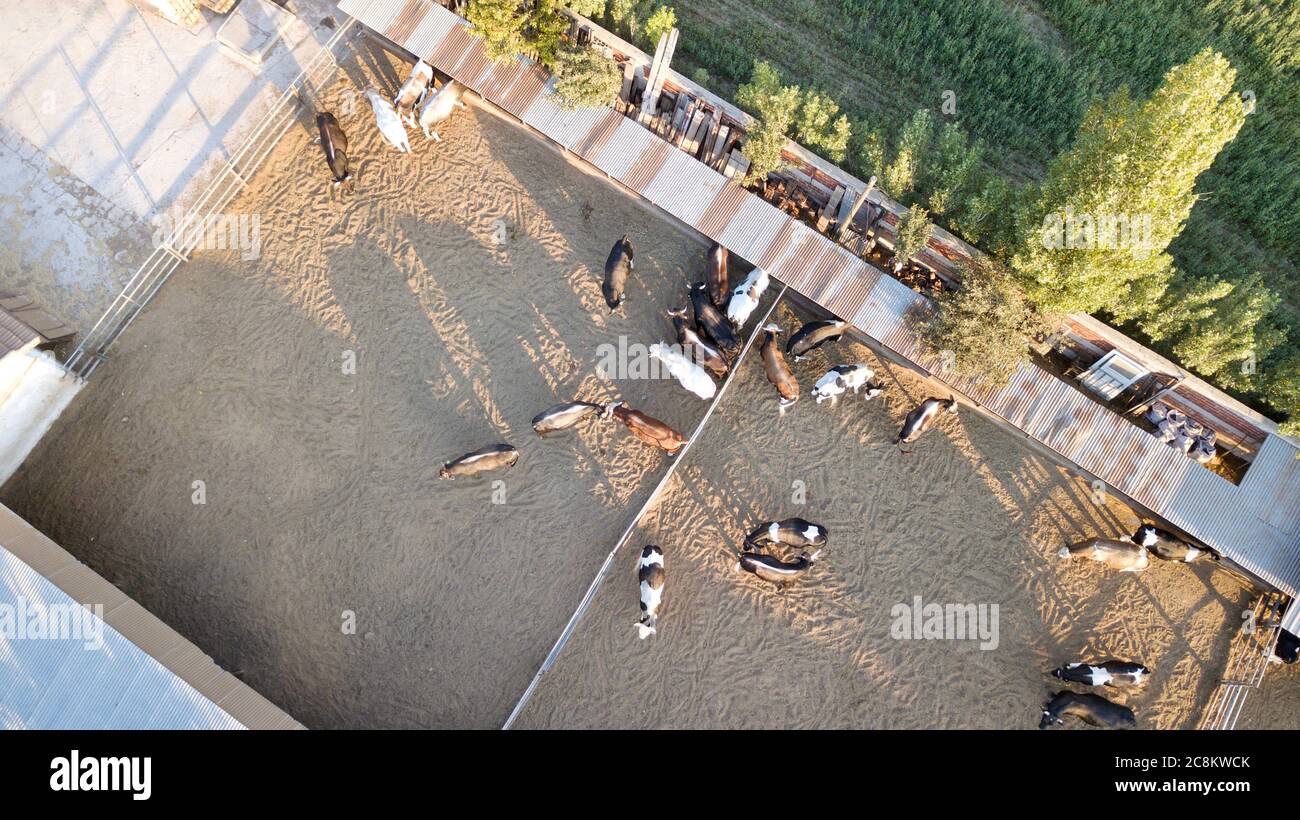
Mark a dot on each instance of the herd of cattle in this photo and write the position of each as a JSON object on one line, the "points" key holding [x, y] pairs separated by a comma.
{"points": [[709, 341], [1132, 554], [707, 348], [708, 336], [417, 103]]}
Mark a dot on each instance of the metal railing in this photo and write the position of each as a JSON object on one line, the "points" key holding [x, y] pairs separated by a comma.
{"points": [[596, 582], [185, 236], [1248, 660]]}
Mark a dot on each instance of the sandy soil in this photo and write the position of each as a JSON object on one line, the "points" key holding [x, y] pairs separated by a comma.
{"points": [[322, 489], [1277, 703], [972, 517], [322, 496]]}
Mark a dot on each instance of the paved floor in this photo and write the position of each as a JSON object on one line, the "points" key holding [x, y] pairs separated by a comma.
{"points": [[111, 117]]}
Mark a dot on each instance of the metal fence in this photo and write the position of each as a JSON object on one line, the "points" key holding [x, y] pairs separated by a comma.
{"points": [[678, 458], [185, 236], [1248, 660]]}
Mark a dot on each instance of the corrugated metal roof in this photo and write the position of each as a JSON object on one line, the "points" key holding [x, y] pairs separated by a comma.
{"points": [[681, 182], [127, 670], [1256, 524], [64, 683], [15, 334], [1272, 485]]}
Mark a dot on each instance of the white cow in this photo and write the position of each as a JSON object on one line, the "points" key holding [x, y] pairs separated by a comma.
{"points": [[688, 373], [413, 90], [745, 298], [440, 105], [846, 377], [390, 124]]}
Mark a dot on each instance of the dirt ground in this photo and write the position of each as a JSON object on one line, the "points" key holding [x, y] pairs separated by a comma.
{"points": [[465, 280], [972, 517], [1277, 703], [322, 493]]}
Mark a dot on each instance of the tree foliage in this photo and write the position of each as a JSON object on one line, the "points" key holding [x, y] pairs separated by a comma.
{"points": [[774, 107], [622, 14], [988, 215], [587, 8], [1284, 389], [911, 154], [764, 85], [500, 24], [1130, 160], [818, 127], [871, 154], [535, 30], [586, 78], [954, 163], [661, 21], [914, 229], [1220, 329], [985, 328]]}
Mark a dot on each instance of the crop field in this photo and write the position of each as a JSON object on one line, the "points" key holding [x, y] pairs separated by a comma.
{"points": [[1023, 72]]}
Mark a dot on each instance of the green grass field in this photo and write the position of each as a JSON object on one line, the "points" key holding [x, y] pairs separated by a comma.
{"points": [[1024, 70]]}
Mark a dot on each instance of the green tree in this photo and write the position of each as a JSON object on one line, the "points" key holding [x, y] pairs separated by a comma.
{"points": [[1283, 382], [985, 328], [1131, 162], [622, 13], [1220, 329], [500, 25], [914, 229], [661, 21], [587, 8], [913, 151], [774, 107], [764, 84], [871, 155], [767, 137], [585, 78], [545, 30], [988, 217], [508, 31], [818, 127], [955, 162]]}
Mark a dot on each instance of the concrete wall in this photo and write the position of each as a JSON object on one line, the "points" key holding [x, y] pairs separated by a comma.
{"points": [[34, 390]]}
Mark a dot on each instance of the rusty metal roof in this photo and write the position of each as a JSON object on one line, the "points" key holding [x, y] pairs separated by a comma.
{"points": [[1256, 524], [16, 334]]}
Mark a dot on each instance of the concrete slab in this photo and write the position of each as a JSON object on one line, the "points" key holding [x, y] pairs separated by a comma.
{"points": [[253, 28], [112, 118], [131, 104], [34, 389]]}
